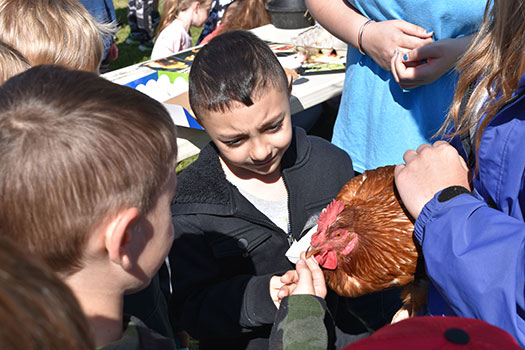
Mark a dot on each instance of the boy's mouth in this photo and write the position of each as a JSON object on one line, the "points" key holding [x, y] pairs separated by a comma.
{"points": [[264, 162]]}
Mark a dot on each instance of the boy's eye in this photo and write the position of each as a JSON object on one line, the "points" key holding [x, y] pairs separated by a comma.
{"points": [[275, 126], [233, 143]]}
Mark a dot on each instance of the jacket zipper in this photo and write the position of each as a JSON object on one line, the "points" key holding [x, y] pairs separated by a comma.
{"points": [[289, 235]]}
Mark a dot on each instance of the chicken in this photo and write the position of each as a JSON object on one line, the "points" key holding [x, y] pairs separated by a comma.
{"points": [[364, 241]]}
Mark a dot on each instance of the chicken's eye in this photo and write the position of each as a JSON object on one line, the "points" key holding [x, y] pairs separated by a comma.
{"points": [[338, 235]]}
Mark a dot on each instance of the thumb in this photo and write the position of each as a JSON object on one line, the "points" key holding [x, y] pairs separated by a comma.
{"points": [[305, 283]]}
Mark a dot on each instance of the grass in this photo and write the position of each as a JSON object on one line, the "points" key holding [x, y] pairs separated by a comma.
{"points": [[130, 54]]}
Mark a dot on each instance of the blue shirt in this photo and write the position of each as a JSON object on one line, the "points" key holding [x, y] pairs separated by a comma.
{"points": [[377, 120]]}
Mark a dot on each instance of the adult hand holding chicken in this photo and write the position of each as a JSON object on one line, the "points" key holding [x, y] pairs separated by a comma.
{"points": [[428, 170]]}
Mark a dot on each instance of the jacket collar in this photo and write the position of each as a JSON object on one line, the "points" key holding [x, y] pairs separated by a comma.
{"points": [[203, 187]]}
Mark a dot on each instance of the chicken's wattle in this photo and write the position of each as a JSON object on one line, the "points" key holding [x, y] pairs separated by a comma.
{"points": [[327, 259]]}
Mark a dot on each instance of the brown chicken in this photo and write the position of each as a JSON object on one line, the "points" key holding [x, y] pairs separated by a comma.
{"points": [[364, 241]]}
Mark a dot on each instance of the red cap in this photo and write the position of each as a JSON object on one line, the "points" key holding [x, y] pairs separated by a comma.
{"points": [[437, 332]]}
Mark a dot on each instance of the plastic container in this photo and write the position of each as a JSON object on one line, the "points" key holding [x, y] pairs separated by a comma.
{"points": [[289, 14]]}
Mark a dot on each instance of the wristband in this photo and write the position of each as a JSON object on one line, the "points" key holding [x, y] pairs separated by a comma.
{"points": [[451, 192], [360, 36]]}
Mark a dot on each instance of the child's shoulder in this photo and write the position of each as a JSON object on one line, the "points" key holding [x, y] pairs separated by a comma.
{"points": [[325, 149], [203, 180]]}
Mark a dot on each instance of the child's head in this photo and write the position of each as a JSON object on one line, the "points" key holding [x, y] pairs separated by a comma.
{"points": [[11, 62], [79, 152], [198, 11], [53, 32], [239, 92], [494, 63], [37, 310], [245, 14]]}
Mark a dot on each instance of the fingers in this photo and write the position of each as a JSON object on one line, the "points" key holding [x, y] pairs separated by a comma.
{"points": [[305, 285], [415, 30], [289, 277], [406, 75], [317, 277]]}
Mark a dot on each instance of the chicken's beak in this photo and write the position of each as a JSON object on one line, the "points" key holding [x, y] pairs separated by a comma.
{"points": [[311, 251]]}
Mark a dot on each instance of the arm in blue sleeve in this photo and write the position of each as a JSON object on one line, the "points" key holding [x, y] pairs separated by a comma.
{"points": [[475, 257]]}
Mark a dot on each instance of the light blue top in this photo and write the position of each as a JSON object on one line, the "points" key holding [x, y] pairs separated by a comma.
{"points": [[378, 121]]}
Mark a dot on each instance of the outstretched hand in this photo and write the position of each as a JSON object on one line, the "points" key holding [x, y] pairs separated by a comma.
{"points": [[429, 170]]}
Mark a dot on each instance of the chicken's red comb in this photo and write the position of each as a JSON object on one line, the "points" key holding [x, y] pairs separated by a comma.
{"points": [[328, 216]]}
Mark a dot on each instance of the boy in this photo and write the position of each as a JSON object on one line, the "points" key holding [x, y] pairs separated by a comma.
{"points": [[53, 32], [259, 185], [87, 174]]}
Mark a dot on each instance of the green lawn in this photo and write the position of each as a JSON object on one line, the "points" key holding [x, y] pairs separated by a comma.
{"points": [[129, 53]]}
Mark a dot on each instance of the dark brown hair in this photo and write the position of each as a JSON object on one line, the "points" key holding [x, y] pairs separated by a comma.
{"points": [[76, 148], [234, 67], [37, 310]]}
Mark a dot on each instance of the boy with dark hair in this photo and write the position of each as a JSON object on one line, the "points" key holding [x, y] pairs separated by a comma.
{"points": [[87, 174], [258, 186]]}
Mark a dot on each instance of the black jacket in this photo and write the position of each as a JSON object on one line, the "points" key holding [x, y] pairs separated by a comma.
{"points": [[225, 250]]}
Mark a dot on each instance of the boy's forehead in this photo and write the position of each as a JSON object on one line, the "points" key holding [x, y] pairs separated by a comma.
{"points": [[238, 118]]}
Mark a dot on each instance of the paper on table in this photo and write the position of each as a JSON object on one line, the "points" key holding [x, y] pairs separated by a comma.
{"points": [[293, 253]]}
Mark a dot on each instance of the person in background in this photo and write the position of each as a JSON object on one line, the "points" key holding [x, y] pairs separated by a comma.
{"points": [[378, 117], [218, 7], [37, 310], [11, 62], [256, 187], [469, 196], [241, 14], [87, 175], [174, 29], [104, 12], [143, 19], [53, 32]]}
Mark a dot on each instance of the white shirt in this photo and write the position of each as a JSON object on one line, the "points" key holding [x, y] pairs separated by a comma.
{"points": [[171, 40]]}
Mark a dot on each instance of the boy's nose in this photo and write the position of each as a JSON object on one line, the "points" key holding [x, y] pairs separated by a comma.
{"points": [[260, 151]]}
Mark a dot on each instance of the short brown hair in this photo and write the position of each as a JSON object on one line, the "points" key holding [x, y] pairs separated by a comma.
{"points": [[37, 310], [11, 62], [53, 32], [76, 148]]}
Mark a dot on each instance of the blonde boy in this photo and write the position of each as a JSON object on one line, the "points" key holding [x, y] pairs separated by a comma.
{"points": [[53, 32], [87, 174]]}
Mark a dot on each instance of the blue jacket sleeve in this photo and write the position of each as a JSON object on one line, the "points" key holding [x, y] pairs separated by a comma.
{"points": [[474, 255]]}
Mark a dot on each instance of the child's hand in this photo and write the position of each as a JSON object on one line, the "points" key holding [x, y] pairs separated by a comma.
{"points": [[426, 64], [380, 39], [308, 278], [429, 170], [275, 286]]}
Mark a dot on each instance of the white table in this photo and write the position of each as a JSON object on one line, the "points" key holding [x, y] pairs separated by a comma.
{"points": [[307, 91]]}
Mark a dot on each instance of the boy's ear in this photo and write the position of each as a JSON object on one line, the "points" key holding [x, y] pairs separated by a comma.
{"points": [[118, 235]]}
